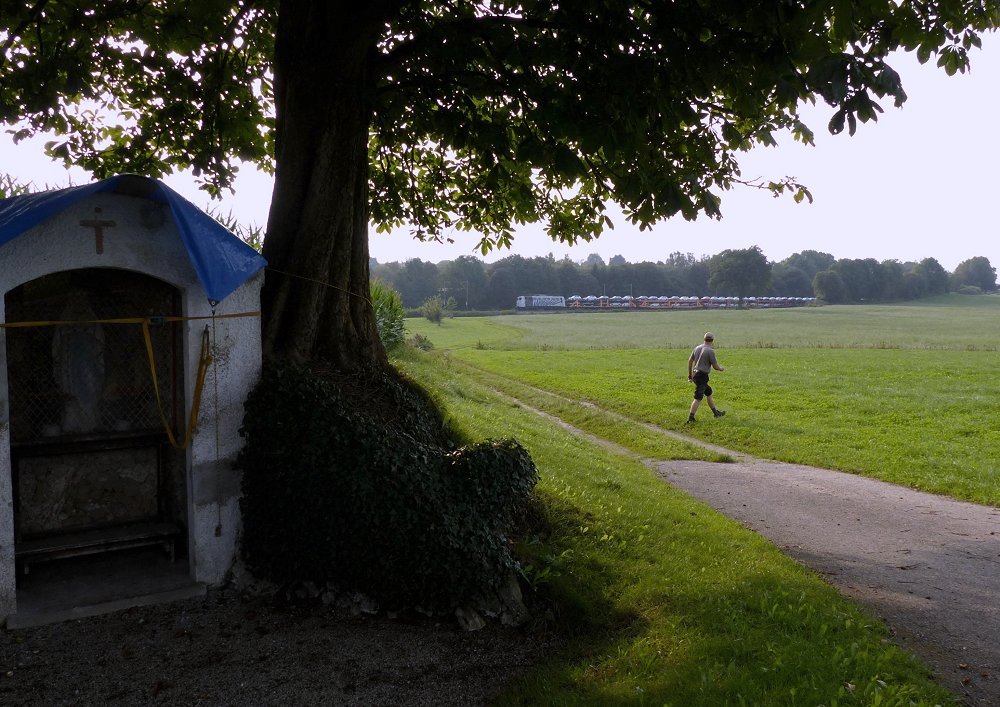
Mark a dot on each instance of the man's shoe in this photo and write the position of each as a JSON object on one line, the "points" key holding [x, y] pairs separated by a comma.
{"points": [[718, 413], [691, 418]]}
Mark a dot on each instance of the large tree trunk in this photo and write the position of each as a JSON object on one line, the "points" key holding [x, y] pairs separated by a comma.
{"points": [[316, 295]]}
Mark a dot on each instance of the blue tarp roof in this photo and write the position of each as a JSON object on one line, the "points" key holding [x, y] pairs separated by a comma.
{"points": [[223, 261]]}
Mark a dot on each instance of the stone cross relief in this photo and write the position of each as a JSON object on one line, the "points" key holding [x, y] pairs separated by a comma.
{"points": [[98, 224]]}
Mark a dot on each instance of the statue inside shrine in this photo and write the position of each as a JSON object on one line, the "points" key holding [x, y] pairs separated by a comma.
{"points": [[78, 368]]}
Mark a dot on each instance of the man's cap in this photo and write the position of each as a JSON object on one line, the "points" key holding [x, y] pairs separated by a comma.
{"points": [[709, 336]]}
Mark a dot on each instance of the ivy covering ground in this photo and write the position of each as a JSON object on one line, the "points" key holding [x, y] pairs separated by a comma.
{"points": [[358, 483]]}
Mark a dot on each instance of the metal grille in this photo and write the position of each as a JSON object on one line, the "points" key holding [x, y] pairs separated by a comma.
{"points": [[89, 380]]}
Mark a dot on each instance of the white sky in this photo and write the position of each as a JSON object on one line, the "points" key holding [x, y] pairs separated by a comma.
{"points": [[922, 182]]}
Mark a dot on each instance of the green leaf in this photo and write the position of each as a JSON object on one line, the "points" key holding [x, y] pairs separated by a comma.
{"points": [[731, 135], [836, 125]]}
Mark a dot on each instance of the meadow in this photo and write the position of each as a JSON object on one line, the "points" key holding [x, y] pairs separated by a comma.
{"points": [[655, 598], [908, 394], [658, 598], [952, 322]]}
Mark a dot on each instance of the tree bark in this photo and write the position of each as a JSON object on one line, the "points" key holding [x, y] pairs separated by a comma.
{"points": [[315, 301]]}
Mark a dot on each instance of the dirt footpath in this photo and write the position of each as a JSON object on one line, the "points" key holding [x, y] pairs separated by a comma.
{"points": [[928, 565]]}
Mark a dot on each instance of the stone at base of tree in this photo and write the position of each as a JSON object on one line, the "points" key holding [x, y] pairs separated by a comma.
{"points": [[514, 613], [507, 603], [307, 590], [363, 604], [469, 619], [242, 580]]}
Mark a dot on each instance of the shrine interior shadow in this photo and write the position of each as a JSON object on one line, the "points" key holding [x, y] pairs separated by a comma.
{"points": [[100, 496]]}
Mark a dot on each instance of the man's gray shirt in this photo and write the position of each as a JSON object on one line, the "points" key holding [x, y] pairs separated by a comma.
{"points": [[704, 358]]}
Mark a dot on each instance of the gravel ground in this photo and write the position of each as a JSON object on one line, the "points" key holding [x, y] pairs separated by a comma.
{"points": [[228, 649]]}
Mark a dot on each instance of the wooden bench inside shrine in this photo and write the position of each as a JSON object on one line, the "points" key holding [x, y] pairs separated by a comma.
{"points": [[97, 540], [154, 529]]}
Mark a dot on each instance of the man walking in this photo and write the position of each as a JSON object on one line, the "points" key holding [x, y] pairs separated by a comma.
{"points": [[700, 362]]}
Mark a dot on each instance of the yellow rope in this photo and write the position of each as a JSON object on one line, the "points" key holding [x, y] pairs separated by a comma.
{"points": [[204, 360], [324, 283], [126, 320]]}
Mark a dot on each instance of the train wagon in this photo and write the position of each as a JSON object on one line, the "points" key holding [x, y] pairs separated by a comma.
{"points": [[537, 303]]}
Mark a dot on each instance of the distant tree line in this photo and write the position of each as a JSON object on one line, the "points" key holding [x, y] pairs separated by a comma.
{"points": [[468, 283]]}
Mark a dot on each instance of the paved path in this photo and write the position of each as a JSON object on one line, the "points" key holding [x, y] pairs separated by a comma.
{"points": [[929, 566]]}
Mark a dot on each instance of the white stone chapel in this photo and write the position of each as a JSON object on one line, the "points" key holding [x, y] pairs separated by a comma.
{"points": [[130, 340]]}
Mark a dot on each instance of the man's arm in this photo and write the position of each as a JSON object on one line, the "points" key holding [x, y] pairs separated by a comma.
{"points": [[690, 362]]}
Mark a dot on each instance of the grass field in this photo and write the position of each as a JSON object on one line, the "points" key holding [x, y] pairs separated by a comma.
{"points": [[952, 322], [661, 600], [908, 394], [664, 601]]}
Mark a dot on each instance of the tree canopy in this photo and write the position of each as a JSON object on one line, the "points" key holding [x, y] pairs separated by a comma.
{"points": [[461, 115], [475, 285], [829, 287], [976, 272], [743, 272]]}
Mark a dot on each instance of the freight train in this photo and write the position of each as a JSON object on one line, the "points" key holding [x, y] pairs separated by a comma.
{"points": [[529, 303]]}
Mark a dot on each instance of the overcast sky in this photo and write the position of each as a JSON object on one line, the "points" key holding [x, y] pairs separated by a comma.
{"points": [[922, 182]]}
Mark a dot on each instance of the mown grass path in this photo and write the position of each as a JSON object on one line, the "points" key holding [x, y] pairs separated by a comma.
{"points": [[928, 565]]}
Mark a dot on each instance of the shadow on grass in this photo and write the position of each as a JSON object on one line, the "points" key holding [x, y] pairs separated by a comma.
{"points": [[755, 632]]}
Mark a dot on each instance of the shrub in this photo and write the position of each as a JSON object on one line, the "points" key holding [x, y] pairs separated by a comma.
{"points": [[419, 341], [433, 309], [389, 314], [360, 484], [969, 290]]}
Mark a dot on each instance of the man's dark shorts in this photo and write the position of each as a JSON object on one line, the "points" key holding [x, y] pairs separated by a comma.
{"points": [[701, 386]]}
